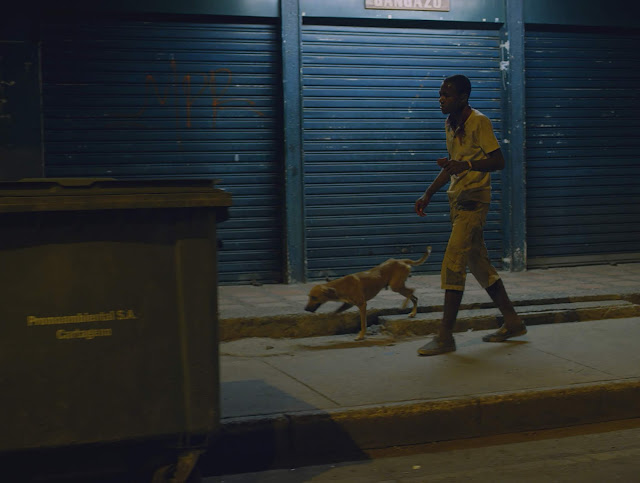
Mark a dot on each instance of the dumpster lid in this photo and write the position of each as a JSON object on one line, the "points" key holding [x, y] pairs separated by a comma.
{"points": [[107, 183], [64, 194]]}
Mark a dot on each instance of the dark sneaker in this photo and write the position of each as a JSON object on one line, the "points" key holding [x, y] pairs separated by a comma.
{"points": [[504, 333], [435, 346]]}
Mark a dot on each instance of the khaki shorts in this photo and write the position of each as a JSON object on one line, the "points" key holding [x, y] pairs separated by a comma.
{"points": [[466, 248]]}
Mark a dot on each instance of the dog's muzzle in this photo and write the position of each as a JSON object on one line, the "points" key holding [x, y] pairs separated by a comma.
{"points": [[311, 308]]}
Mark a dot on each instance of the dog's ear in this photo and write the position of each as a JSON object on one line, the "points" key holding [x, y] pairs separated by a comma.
{"points": [[330, 292]]}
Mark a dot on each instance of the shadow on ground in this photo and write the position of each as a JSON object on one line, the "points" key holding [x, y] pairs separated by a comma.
{"points": [[280, 441]]}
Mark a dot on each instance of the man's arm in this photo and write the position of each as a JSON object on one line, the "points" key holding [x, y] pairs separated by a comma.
{"points": [[493, 162], [422, 202]]}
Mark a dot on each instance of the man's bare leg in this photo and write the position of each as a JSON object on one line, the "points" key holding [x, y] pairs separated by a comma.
{"points": [[444, 341], [513, 325], [452, 301]]}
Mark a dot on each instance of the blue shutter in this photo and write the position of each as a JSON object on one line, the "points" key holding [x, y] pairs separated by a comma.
{"points": [[372, 132], [129, 99], [583, 175]]}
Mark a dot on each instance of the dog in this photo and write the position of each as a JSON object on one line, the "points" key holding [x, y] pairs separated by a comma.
{"points": [[356, 289]]}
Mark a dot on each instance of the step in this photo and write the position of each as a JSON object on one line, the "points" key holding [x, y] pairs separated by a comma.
{"points": [[397, 322], [489, 318]]}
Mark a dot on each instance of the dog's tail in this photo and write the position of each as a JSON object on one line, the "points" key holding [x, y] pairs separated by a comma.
{"points": [[422, 260]]}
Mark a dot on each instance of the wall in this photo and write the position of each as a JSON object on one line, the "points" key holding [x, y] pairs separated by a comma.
{"points": [[19, 47]]}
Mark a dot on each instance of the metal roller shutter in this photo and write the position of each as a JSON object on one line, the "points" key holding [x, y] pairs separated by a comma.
{"points": [[583, 176], [372, 132], [129, 99]]}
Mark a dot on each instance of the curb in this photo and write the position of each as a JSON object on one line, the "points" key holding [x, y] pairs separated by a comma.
{"points": [[532, 314], [302, 325], [319, 437]]}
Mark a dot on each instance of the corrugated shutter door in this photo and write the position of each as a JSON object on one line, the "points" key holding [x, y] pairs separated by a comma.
{"points": [[179, 100], [583, 175], [372, 132]]}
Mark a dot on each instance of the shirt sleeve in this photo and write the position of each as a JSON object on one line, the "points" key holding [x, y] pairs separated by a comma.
{"points": [[485, 137]]}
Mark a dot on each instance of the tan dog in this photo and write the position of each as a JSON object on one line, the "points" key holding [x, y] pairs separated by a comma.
{"points": [[356, 289]]}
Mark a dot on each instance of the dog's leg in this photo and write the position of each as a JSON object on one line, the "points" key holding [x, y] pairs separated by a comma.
{"points": [[363, 321], [343, 307], [408, 293], [414, 299], [397, 284]]}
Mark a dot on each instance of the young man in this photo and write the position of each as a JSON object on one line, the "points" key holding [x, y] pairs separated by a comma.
{"points": [[473, 153]]}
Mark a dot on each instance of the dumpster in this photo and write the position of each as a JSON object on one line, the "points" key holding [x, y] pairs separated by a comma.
{"points": [[109, 314]]}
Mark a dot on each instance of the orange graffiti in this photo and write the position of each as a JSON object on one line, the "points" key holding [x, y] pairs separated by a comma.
{"points": [[183, 86]]}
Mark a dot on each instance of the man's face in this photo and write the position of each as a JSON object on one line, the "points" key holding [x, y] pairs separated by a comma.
{"points": [[450, 100]]}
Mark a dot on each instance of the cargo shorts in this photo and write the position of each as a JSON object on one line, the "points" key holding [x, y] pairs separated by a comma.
{"points": [[466, 248]]}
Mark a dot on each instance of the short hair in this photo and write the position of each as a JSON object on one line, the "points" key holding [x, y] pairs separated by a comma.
{"points": [[461, 83]]}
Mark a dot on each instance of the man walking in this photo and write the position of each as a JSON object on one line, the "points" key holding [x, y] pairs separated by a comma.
{"points": [[474, 153]]}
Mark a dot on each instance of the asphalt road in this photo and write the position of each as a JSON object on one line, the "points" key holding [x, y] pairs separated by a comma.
{"points": [[592, 453]]}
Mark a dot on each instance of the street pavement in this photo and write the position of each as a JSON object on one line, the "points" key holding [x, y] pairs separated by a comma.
{"points": [[297, 389], [594, 453]]}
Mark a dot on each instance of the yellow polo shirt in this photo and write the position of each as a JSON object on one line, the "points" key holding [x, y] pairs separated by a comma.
{"points": [[473, 140]]}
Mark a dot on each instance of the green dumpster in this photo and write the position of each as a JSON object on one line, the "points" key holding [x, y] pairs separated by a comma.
{"points": [[109, 312]]}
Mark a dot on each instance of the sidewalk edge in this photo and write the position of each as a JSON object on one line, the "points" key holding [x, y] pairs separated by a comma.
{"points": [[301, 325], [318, 437]]}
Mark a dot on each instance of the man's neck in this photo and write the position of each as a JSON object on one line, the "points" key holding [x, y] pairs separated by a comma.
{"points": [[458, 118]]}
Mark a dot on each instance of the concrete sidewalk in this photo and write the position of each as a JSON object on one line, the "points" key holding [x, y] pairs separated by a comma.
{"points": [[278, 310], [297, 389]]}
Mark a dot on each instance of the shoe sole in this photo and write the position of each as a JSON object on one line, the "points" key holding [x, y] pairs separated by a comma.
{"points": [[492, 338], [435, 353]]}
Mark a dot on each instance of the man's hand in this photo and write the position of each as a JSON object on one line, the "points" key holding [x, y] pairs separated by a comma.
{"points": [[421, 204], [442, 179], [451, 166]]}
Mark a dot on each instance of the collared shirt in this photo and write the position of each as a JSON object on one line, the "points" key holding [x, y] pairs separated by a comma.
{"points": [[472, 140]]}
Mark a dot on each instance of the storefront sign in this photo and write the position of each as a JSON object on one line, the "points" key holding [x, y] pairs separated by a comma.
{"points": [[436, 5]]}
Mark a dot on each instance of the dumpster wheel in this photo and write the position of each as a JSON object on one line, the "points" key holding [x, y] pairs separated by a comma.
{"points": [[179, 472]]}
